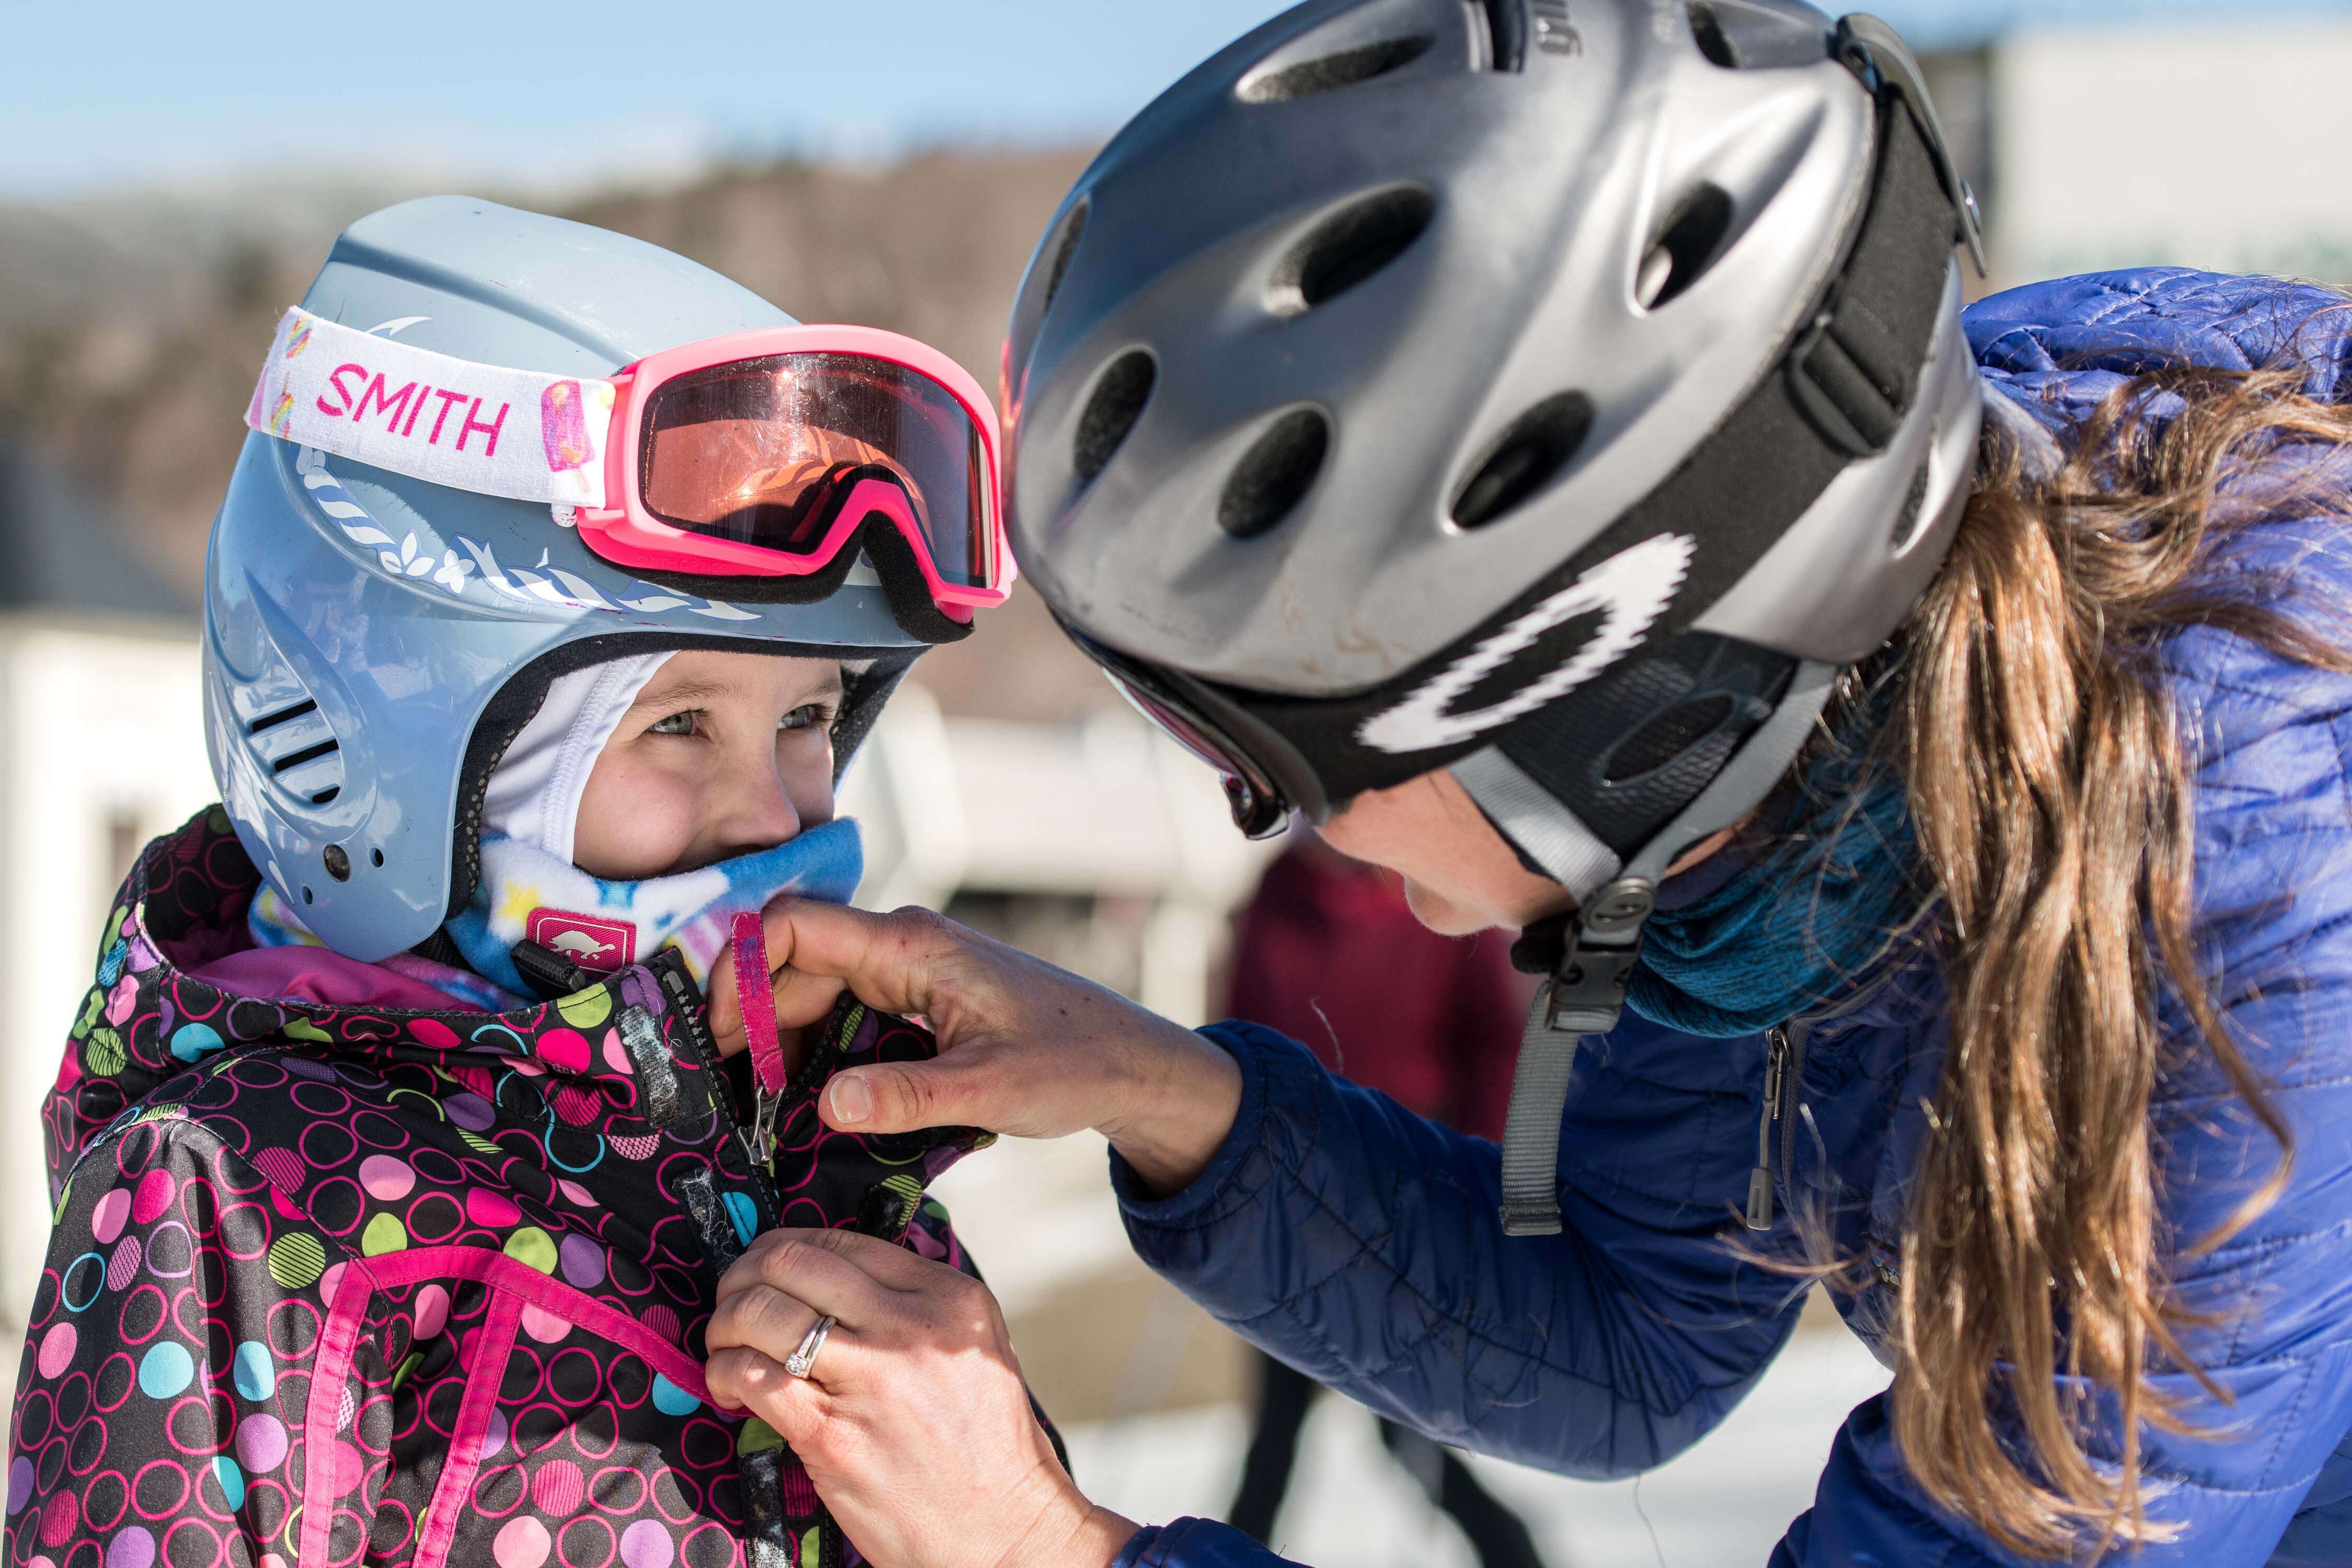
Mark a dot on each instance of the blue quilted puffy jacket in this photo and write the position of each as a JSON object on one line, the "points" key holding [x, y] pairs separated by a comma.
{"points": [[1359, 1242]]}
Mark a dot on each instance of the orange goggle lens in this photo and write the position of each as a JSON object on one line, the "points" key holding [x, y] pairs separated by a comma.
{"points": [[794, 452]]}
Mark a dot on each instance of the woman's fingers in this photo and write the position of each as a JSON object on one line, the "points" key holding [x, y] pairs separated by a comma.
{"points": [[808, 1267], [802, 1000], [886, 959], [878, 1295], [790, 1254], [741, 1379], [971, 1085], [753, 1327], [1025, 1048], [916, 1430]]}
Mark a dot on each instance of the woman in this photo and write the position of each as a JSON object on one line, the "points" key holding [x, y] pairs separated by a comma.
{"points": [[1553, 456]]}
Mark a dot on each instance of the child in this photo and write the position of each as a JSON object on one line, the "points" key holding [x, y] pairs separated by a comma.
{"points": [[395, 1156]]}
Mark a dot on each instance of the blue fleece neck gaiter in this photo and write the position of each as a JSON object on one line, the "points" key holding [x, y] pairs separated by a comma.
{"points": [[1798, 920], [603, 927]]}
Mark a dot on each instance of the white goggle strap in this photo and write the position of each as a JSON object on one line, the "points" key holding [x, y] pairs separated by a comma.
{"points": [[479, 428]]}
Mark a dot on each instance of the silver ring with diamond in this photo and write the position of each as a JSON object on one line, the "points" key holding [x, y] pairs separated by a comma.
{"points": [[799, 1363]]}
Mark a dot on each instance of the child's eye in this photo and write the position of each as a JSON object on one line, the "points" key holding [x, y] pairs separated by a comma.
{"points": [[680, 723], [807, 716]]}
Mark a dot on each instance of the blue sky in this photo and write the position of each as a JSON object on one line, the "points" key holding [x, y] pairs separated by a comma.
{"points": [[141, 92]]}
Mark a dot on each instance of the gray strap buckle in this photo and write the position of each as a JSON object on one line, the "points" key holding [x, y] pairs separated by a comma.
{"points": [[1584, 996]]}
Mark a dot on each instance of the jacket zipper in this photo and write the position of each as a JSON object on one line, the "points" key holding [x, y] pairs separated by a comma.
{"points": [[759, 1470], [1798, 1033], [1776, 1079], [1784, 1077], [706, 1050]]}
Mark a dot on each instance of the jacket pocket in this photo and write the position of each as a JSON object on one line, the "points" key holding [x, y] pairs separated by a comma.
{"points": [[484, 1413]]}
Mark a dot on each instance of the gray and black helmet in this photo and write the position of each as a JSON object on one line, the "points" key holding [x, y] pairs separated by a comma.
{"points": [[1557, 394]]}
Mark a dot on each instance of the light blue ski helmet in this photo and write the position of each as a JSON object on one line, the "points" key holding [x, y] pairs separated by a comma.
{"points": [[373, 642]]}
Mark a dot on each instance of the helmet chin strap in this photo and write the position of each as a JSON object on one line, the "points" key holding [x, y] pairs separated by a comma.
{"points": [[1588, 955]]}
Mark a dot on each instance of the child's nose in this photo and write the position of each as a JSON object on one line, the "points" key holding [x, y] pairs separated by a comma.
{"points": [[759, 813]]}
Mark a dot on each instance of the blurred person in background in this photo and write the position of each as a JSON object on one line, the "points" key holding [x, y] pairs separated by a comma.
{"points": [[1544, 444], [1328, 952]]}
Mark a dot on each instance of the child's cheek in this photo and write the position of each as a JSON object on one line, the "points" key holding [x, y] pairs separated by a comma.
{"points": [[635, 821]]}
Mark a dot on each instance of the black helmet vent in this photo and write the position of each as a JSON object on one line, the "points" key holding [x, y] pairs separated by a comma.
{"points": [[1506, 33], [1348, 246], [1072, 227], [1681, 255], [1536, 447], [1707, 28], [1345, 68], [1117, 403], [1665, 737], [1274, 474], [1913, 517], [1758, 35]]}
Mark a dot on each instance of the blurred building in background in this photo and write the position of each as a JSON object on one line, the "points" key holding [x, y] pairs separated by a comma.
{"points": [[101, 748], [2202, 143], [1007, 784]]}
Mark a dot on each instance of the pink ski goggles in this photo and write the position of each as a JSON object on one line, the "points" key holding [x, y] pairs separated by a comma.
{"points": [[760, 454]]}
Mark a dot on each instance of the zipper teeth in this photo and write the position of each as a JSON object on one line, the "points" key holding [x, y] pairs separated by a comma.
{"points": [[1758, 1210], [681, 997], [1792, 1081], [763, 1188]]}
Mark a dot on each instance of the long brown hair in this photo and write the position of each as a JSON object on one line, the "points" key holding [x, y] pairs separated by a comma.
{"points": [[2051, 798]]}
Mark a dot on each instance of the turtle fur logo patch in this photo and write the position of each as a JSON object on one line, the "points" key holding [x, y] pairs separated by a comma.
{"points": [[1630, 591], [594, 942]]}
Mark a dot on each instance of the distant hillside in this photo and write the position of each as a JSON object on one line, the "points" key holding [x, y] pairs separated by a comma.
{"points": [[131, 328]]}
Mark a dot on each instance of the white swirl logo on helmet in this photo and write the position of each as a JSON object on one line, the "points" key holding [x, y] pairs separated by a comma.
{"points": [[1630, 589], [547, 585]]}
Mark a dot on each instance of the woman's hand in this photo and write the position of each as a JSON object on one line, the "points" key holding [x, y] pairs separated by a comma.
{"points": [[1025, 1048], [913, 1421]]}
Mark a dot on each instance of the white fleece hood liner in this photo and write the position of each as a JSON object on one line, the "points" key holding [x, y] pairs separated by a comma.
{"points": [[534, 792]]}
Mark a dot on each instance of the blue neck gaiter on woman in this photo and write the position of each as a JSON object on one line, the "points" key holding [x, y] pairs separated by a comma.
{"points": [[1798, 917]]}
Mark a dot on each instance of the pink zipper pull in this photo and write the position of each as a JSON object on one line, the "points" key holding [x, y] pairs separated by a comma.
{"points": [[755, 993]]}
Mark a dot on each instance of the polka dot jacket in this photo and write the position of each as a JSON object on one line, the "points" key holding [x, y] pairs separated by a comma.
{"points": [[331, 1287]]}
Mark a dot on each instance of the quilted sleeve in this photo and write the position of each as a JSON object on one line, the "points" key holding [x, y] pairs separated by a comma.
{"points": [[1360, 1243], [160, 1403], [1194, 1543]]}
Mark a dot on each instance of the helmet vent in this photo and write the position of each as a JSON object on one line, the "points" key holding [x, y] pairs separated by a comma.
{"points": [[1665, 737], [1349, 247], [1707, 29], [1692, 240], [1274, 474], [1333, 71], [1910, 522], [307, 754], [1758, 35], [1536, 447], [1073, 226], [1506, 33], [1117, 403], [283, 716]]}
